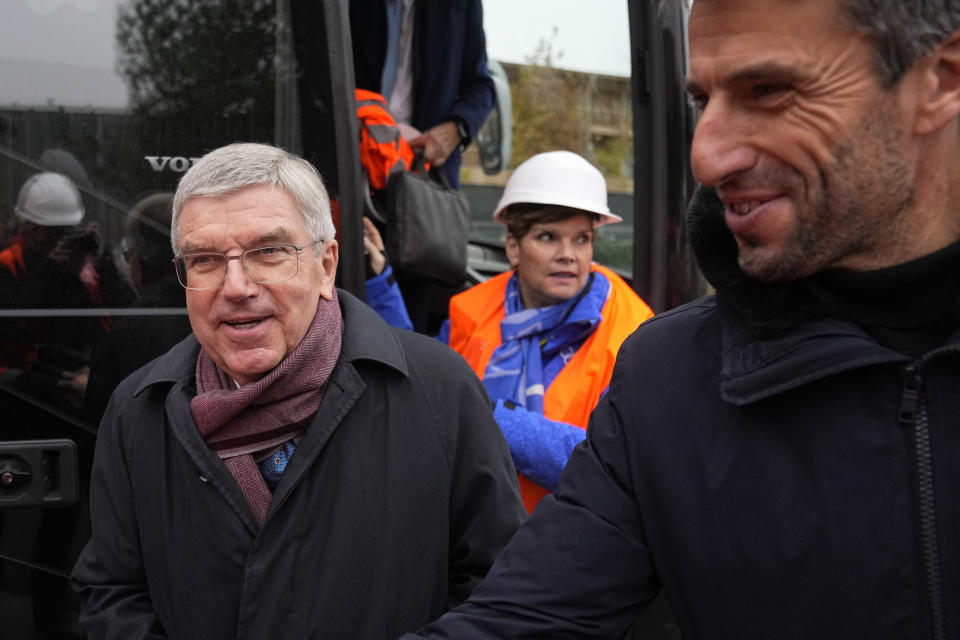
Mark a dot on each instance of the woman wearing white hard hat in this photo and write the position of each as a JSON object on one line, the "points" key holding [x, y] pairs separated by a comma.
{"points": [[544, 335]]}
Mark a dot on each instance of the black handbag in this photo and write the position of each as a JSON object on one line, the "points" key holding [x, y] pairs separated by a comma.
{"points": [[427, 225]]}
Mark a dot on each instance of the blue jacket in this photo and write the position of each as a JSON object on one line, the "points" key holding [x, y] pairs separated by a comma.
{"points": [[451, 78], [383, 296]]}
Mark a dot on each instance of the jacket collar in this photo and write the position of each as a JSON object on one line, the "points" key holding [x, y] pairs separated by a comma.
{"points": [[774, 337], [757, 366], [365, 337]]}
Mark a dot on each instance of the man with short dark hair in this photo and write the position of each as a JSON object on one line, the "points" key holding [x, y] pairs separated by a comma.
{"points": [[782, 459], [295, 468]]}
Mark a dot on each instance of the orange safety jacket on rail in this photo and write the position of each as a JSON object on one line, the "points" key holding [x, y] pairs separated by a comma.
{"points": [[383, 150], [12, 259], [475, 317], [12, 352]]}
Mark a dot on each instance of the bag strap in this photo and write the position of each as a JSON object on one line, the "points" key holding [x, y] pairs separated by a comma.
{"points": [[370, 208], [419, 162], [441, 177], [419, 166]]}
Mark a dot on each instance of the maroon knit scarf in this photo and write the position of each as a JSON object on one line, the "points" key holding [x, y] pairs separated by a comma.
{"points": [[241, 423]]}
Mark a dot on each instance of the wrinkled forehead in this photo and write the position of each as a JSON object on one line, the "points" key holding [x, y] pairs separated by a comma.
{"points": [[253, 214], [764, 26], [726, 34]]}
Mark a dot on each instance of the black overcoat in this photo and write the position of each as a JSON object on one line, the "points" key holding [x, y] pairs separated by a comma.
{"points": [[396, 501]]}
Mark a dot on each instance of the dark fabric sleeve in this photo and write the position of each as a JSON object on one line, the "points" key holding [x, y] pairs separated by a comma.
{"points": [[485, 505], [109, 575], [475, 94], [579, 567], [368, 33]]}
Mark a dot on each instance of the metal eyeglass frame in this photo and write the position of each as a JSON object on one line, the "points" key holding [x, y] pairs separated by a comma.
{"points": [[179, 260]]}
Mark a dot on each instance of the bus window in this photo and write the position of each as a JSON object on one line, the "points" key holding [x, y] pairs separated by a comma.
{"points": [[104, 106], [106, 103]]}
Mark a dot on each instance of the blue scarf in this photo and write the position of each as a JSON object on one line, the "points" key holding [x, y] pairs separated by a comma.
{"points": [[537, 343]]}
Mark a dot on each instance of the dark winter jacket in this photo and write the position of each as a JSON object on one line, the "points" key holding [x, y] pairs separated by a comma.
{"points": [[776, 471], [397, 499]]}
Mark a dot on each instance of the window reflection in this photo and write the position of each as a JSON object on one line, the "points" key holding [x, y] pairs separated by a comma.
{"points": [[121, 97]]}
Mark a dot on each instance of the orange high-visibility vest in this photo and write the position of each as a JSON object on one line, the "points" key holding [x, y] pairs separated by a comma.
{"points": [[16, 353], [382, 149], [12, 259], [475, 317]]}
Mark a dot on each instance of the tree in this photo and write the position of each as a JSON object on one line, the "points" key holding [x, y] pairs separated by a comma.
{"points": [[547, 106], [213, 57], [556, 108]]}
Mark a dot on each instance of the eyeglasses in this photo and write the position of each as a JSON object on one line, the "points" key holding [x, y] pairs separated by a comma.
{"points": [[265, 265]]}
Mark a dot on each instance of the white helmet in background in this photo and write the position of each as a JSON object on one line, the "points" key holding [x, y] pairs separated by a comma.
{"points": [[559, 178], [50, 200]]}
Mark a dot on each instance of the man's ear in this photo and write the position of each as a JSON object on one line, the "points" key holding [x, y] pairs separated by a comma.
{"points": [[940, 103], [329, 255]]}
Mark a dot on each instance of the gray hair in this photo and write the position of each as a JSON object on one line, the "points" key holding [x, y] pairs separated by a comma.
{"points": [[902, 31], [237, 166]]}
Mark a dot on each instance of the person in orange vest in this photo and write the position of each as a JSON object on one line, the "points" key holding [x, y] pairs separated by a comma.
{"points": [[38, 268], [49, 242], [55, 260], [544, 336]]}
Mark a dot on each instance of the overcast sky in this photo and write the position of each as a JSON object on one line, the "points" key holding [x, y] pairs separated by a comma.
{"points": [[64, 49], [591, 35]]}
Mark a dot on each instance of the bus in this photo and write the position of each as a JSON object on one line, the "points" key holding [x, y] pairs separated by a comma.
{"points": [[121, 97]]}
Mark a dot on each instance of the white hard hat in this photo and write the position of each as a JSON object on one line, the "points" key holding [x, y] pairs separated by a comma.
{"points": [[560, 178], [49, 200]]}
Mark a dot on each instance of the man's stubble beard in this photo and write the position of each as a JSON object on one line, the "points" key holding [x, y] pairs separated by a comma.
{"points": [[857, 208]]}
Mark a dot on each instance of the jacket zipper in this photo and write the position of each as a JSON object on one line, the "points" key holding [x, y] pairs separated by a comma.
{"points": [[913, 413]]}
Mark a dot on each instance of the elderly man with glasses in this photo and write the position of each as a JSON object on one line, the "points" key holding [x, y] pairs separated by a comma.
{"points": [[295, 468]]}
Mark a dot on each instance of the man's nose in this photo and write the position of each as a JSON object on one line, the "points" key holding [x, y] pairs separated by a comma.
{"points": [[721, 148], [236, 282]]}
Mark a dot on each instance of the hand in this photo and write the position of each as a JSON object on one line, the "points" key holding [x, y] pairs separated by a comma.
{"points": [[73, 384], [74, 249], [438, 142], [373, 246]]}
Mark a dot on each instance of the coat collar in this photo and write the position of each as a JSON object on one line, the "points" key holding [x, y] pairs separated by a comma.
{"points": [[365, 337], [754, 367], [774, 337]]}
